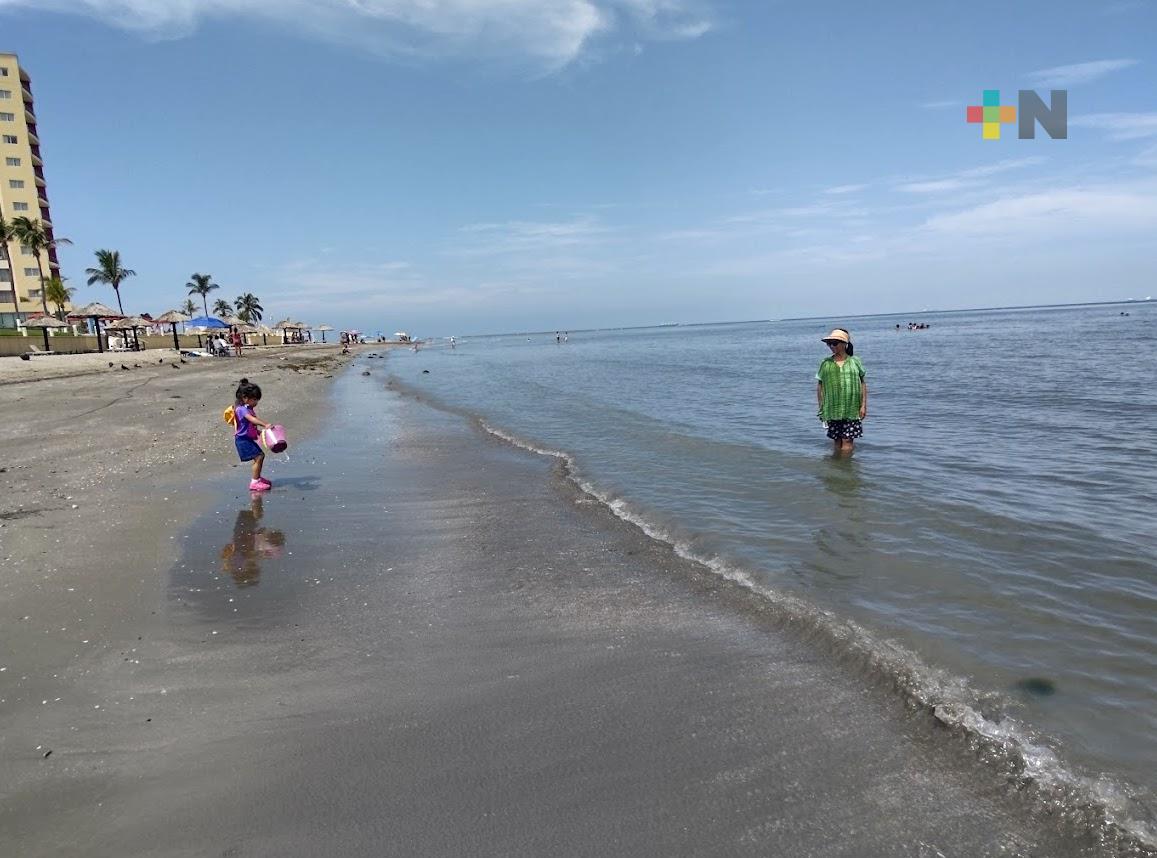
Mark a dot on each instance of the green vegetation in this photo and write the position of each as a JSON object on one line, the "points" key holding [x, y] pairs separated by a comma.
{"points": [[32, 234], [202, 284], [249, 308], [59, 294], [110, 271]]}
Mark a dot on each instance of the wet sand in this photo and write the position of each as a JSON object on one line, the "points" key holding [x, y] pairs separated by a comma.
{"points": [[424, 642]]}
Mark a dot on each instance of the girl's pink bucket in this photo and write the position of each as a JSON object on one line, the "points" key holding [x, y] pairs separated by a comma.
{"points": [[274, 438]]}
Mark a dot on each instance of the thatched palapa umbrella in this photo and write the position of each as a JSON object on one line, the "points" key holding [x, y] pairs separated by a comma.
{"points": [[44, 323], [132, 323], [173, 317], [96, 311], [323, 329], [283, 326]]}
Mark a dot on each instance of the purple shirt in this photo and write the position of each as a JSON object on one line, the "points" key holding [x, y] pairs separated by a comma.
{"points": [[245, 429]]}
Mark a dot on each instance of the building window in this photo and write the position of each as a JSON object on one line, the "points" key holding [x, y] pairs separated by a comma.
{"points": [[11, 162], [8, 297], [16, 184], [26, 250], [10, 138], [20, 207], [3, 72], [5, 93], [5, 275], [33, 293], [31, 272], [7, 117]]}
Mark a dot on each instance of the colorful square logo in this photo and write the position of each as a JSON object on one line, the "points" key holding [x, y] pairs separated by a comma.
{"points": [[990, 114]]}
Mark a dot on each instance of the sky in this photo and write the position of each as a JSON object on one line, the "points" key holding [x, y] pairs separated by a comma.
{"points": [[455, 167]]}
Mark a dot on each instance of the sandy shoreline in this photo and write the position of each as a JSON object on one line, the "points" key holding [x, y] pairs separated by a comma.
{"points": [[454, 654], [98, 472]]}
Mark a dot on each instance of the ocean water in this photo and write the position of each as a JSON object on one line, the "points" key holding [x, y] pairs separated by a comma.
{"points": [[990, 543]]}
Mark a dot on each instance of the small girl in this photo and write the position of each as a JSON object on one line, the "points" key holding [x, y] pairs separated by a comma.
{"points": [[246, 421]]}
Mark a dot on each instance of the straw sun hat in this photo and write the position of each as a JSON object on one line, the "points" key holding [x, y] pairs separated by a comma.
{"points": [[837, 334]]}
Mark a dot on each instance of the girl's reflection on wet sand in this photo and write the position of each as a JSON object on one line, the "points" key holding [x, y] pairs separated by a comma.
{"points": [[241, 558]]}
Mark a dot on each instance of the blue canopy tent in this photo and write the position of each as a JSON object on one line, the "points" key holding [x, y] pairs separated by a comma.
{"points": [[205, 323]]}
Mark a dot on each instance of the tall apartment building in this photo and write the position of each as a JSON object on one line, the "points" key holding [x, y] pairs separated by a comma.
{"points": [[22, 193]]}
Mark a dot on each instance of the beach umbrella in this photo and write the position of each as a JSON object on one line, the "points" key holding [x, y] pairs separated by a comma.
{"points": [[323, 329], [283, 326], [173, 317], [207, 322], [95, 312], [131, 323], [44, 323]]}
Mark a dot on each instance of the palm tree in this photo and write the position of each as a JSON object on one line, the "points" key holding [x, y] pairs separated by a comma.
{"points": [[188, 308], [202, 284], [222, 308], [32, 234], [248, 307], [109, 270], [7, 235], [59, 294]]}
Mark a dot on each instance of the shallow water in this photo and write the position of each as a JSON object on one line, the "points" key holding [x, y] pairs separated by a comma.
{"points": [[996, 519]]}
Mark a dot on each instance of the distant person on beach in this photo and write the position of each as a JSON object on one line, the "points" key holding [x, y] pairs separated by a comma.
{"points": [[246, 423], [236, 342], [842, 392]]}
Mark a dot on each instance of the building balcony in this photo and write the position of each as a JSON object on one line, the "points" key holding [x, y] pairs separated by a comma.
{"points": [[33, 139], [27, 93], [40, 183], [36, 162], [29, 116], [43, 203]]}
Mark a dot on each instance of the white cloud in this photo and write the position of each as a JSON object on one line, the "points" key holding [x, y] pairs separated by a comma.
{"points": [[1120, 126], [844, 189], [968, 178], [1054, 213], [1078, 73], [516, 237], [552, 32], [1147, 157], [939, 105]]}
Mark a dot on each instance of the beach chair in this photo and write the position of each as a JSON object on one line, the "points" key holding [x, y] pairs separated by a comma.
{"points": [[33, 351]]}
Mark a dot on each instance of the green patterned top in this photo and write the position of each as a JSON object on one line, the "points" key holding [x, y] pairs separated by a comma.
{"points": [[841, 388]]}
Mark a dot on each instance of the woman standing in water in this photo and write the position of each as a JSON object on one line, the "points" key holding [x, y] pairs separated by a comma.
{"points": [[842, 392]]}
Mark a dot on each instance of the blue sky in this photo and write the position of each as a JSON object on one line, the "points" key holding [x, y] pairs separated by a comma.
{"points": [[468, 166]]}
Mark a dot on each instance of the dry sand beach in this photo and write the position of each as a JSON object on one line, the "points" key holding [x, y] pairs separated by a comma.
{"points": [[451, 652]]}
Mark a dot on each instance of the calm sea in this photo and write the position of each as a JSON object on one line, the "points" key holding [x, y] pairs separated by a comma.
{"points": [[993, 533]]}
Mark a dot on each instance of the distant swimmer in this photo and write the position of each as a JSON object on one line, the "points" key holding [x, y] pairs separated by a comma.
{"points": [[842, 392]]}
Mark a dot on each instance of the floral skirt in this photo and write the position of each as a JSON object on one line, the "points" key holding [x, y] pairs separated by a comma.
{"points": [[845, 430]]}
